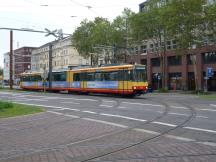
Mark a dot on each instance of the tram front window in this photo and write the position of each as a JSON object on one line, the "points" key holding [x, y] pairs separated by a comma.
{"points": [[140, 74]]}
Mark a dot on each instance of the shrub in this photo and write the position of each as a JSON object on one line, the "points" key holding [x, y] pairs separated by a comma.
{"points": [[5, 105], [163, 90]]}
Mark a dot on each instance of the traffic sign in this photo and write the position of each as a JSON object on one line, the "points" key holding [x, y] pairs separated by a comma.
{"points": [[209, 72]]}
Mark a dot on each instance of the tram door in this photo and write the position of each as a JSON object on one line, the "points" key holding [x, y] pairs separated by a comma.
{"points": [[83, 82], [124, 78]]}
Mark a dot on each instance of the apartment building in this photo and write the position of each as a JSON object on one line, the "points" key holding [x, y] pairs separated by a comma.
{"points": [[21, 63], [179, 69], [63, 56]]}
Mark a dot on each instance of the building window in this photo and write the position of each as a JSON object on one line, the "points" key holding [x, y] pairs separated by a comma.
{"points": [[143, 49], [174, 60], [143, 61], [155, 62], [174, 45], [209, 57], [190, 59], [80, 61], [136, 50], [151, 48], [131, 50], [169, 46]]}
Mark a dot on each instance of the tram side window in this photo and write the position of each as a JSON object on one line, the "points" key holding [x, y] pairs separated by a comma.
{"points": [[76, 77], [83, 76], [59, 76], [90, 76], [26, 79], [113, 76], [106, 76], [98, 76], [36, 78], [125, 75]]}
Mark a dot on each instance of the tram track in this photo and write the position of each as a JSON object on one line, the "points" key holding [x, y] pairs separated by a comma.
{"points": [[192, 115]]}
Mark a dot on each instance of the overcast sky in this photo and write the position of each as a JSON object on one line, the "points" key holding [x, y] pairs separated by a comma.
{"points": [[52, 14]]}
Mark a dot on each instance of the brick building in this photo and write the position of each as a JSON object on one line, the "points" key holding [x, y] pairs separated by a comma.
{"points": [[21, 62], [179, 68]]}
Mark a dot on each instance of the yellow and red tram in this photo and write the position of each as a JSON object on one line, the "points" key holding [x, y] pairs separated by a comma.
{"points": [[121, 79]]}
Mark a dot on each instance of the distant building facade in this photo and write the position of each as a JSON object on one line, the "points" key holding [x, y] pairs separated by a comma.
{"points": [[6, 68], [63, 56], [21, 63]]}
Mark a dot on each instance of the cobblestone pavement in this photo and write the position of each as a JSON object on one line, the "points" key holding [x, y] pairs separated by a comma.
{"points": [[49, 137]]}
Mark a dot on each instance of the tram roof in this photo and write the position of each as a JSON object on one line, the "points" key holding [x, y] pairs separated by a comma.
{"points": [[111, 67]]}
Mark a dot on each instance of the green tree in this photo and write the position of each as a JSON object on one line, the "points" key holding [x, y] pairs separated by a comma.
{"points": [[121, 33], [151, 26], [210, 19], [82, 38], [90, 34], [100, 32], [190, 27]]}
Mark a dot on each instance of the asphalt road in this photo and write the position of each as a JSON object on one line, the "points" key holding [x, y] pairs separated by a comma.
{"points": [[153, 127]]}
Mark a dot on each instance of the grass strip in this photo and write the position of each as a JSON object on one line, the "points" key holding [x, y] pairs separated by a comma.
{"points": [[8, 109]]}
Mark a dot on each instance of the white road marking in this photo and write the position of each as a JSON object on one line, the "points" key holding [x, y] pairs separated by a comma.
{"points": [[208, 143], [160, 112], [166, 124], [59, 109], [72, 116], [188, 115], [178, 114], [122, 107], [146, 131], [200, 129], [53, 112], [72, 109], [180, 138], [76, 103], [29, 96], [52, 97], [137, 103], [21, 100], [28, 99], [179, 107], [213, 105], [124, 117], [105, 122], [205, 117], [90, 112], [105, 106], [84, 99], [68, 115], [55, 107], [213, 110], [108, 101]]}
